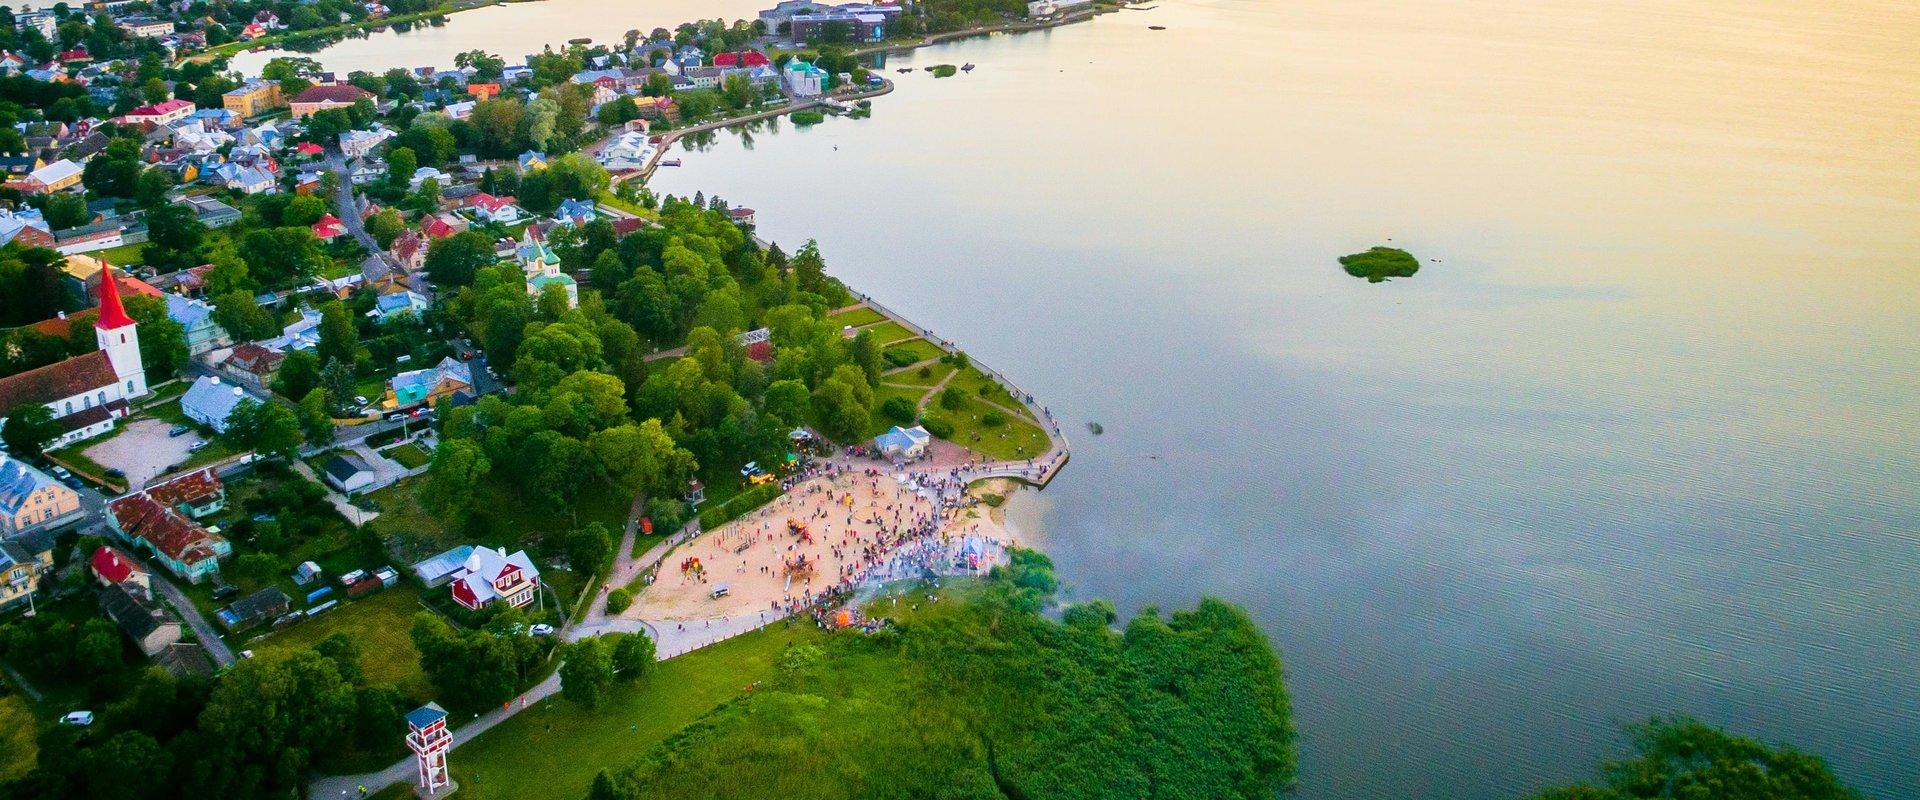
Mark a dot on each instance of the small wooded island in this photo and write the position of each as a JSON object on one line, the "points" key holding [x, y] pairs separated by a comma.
{"points": [[1380, 264]]}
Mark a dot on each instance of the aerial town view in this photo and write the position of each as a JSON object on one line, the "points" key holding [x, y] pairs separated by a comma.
{"points": [[966, 399]]}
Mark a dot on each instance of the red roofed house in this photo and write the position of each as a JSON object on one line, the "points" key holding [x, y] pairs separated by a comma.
{"points": [[88, 392], [494, 209], [491, 575], [483, 91], [254, 30], [113, 568], [329, 227], [442, 225], [160, 520], [410, 249], [327, 95], [744, 58], [252, 365], [309, 149], [74, 57], [160, 113]]}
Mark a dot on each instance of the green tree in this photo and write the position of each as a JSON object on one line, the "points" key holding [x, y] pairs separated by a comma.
{"points": [[590, 549], [339, 340], [303, 209], [401, 164], [455, 260], [642, 458], [385, 227], [174, 235], [150, 190], [269, 429], [299, 374], [284, 256], [315, 423], [459, 466], [587, 673], [239, 314], [28, 430], [471, 670], [1685, 759], [633, 655]]}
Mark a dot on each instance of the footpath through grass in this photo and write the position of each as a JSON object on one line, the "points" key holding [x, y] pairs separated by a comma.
{"points": [[553, 750], [856, 317]]}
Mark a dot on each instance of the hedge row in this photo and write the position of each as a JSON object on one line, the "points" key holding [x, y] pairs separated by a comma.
{"points": [[741, 503]]}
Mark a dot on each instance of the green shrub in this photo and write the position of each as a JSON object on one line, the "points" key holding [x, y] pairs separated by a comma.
{"points": [[618, 600], [899, 356], [926, 372], [898, 409], [952, 399], [740, 504], [993, 419], [804, 118], [938, 427]]}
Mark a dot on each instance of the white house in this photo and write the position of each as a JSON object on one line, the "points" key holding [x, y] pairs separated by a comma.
{"points": [[357, 144], [210, 402]]}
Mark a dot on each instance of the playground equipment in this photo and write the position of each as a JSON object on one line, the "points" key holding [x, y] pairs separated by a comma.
{"points": [[800, 566]]}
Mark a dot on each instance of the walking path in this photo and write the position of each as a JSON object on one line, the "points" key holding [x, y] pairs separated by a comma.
{"points": [[403, 771], [204, 631]]}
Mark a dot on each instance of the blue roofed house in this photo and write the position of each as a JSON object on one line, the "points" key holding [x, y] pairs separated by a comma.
{"points": [[903, 443], [575, 212], [427, 386], [196, 316], [388, 307], [31, 500], [532, 160], [210, 401], [301, 334]]}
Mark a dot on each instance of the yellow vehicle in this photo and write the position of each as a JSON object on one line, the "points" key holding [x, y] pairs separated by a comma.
{"points": [[756, 480]]}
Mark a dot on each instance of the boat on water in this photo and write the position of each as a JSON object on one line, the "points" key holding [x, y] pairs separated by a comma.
{"points": [[1156, 27], [581, 40], [669, 162], [904, 70], [966, 68]]}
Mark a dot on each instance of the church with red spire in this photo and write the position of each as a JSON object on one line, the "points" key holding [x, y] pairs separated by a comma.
{"points": [[87, 393]]}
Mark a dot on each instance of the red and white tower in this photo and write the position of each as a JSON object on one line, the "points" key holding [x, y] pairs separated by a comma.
{"points": [[119, 336], [430, 740]]}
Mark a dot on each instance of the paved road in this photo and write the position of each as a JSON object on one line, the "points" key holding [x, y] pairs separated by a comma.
{"points": [[209, 636], [346, 208]]}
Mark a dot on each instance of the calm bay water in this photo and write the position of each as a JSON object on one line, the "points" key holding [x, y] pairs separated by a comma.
{"points": [[1639, 438]]}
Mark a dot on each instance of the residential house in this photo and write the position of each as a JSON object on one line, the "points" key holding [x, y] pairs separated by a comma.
{"points": [[252, 365], [301, 334], [17, 165], [703, 77], [575, 212], [387, 307], [146, 622], [211, 402], [90, 237], [356, 144], [321, 97], [329, 228], [441, 226], [243, 178], [161, 520], [532, 160], [26, 226], [483, 92], [424, 387], [349, 473], [628, 151], [31, 500], [57, 176], [903, 443], [253, 98], [111, 567], [489, 208], [491, 575], [21, 567], [460, 110], [159, 114], [196, 317], [254, 609], [741, 58], [424, 174], [741, 216], [211, 212], [410, 251]]}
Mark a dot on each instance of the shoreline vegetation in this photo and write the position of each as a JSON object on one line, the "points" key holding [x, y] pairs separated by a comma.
{"points": [[1381, 264]]}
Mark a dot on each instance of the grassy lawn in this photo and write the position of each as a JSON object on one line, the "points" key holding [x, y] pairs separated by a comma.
{"points": [[1019, 437], [919, 347], [972, 381], [508, 521], [380, 623], [889, 332], [19, 731], [342, 267], [372, 389], [856, 317], [409, 455], [910, 376], [124, 256], [554, 749], [612, 200], [879, 423]]}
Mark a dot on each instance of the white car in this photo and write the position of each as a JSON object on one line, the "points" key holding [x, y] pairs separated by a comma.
{"points": [[541, 630], [80, 718]]}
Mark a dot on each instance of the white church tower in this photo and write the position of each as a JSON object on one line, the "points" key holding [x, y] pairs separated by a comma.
{"points": [[119, 338]]}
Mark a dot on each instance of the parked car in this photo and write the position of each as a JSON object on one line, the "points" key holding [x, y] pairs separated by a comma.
{"points": [[719, 592], [60, 472], [80, 718], [541, 630], [224, 591], [198, 446], [179, 430], [115, 472], [359, 400]]}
